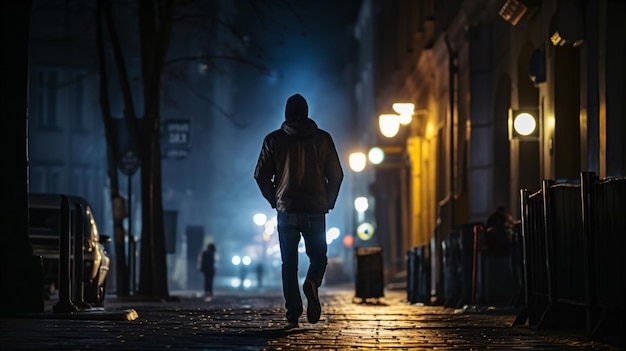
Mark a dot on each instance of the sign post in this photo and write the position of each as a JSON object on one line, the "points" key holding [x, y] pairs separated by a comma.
{"points": [[129, 163]]}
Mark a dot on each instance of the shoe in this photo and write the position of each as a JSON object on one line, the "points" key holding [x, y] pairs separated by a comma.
{"points": [[291, 325], [314, 309]]}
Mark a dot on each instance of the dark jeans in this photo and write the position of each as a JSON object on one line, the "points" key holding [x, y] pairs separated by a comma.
{"points": [[312, 227]]}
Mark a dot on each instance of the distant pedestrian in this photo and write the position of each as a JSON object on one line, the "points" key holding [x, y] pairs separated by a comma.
{"points": [[499, 233], [502, 251], [259, 274], [243, 272], [299, 174], [207, 267]]}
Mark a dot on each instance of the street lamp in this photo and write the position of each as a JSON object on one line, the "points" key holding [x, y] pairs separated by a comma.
{"points": [[376, 155], [259, 219], [361, 205], [405, 110], [389, 124], [523, 124], [357, 161]]}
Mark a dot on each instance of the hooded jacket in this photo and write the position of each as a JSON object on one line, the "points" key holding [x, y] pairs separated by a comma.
{"points": [[298, 170]]}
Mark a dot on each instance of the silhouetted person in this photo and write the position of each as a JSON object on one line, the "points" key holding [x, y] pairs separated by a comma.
{"points": [[207, 267], [299, 174], [243, 271], [501, 242], [259, 274], [499, 233]]}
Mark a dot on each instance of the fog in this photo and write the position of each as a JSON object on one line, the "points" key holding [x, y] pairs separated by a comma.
{"points": [[213, 186], [230, 104]]}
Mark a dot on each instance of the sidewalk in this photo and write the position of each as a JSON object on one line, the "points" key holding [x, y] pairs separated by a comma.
{"points": [[252, 320]]}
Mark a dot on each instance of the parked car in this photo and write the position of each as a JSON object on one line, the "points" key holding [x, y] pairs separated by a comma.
{"points": [[45, 218]]}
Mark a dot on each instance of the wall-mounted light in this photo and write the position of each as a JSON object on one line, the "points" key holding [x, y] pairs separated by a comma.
{"points": [[361, 204], [523, 124], [389, 124], [567, 25], [376, 155], [357, 161], [513, 11], [405, 110]]}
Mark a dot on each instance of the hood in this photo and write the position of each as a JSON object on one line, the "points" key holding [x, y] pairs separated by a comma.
{"points": [[296, 108], [300, 127]]}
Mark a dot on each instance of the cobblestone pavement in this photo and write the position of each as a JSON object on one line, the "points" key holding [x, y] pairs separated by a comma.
{"points": [[250, 320]]}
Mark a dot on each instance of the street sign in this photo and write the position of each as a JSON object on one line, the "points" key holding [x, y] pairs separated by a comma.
{"points": [[178, 132], [129, 162], [176, 142]]}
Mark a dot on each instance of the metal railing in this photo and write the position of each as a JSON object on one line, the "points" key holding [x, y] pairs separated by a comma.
{"points": [[573, 237], [71, 300]]}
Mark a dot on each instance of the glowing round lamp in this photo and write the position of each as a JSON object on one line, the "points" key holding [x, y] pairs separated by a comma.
{"points": [[259, 219], [357, 161], [365, 231], [376, 155], [405, 119], [389, 125], [361, 204], [405, 110], [524, 124]]}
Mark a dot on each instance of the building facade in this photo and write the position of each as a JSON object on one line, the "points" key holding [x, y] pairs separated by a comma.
{"points": [[467, 66]]}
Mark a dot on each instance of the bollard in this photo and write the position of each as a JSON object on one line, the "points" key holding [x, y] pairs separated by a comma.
{"points": [[478, 228], [421, 275], [410, 275]]}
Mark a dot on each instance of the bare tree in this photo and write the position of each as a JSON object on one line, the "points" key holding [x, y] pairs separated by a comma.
{"points": [[155, 20]]}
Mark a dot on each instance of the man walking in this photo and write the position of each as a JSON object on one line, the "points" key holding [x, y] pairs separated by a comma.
{"points": [[299, 174]]}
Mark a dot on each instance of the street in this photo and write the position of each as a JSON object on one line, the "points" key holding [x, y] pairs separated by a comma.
{"points": [[254, 320]]}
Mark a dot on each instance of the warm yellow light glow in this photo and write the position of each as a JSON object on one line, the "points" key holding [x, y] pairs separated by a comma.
{"points": [[357, 161], [376, 155], [405, 110], [389, 124], [430, 130], [405, 119], [365, 231], [524, 124]]}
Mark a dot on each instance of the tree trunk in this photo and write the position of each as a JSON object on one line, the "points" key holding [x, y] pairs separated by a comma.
{"points": [[122, 274], [155, 29]]}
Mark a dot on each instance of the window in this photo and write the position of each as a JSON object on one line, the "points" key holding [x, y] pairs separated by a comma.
{"points": [[46, 99], [36, 179], [44, 179], [83, 182], [77, 103], [53, 180]]}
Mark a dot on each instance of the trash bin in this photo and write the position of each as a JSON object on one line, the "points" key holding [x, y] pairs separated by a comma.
{"points": [[369, 273]]}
